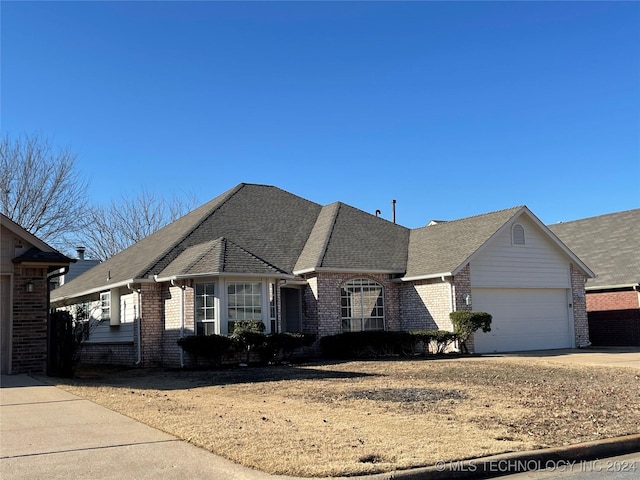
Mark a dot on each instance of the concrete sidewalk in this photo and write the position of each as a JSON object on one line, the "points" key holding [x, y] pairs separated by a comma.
{"points": [[601, 356], [48, 433]]}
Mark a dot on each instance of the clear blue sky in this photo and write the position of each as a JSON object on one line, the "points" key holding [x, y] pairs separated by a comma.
{"points": [[451, 108]]}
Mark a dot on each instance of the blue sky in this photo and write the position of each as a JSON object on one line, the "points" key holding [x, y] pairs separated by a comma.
{"points": [[451, 108]]}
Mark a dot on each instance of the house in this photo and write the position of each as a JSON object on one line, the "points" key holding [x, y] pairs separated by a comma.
{"points": [[27, 265], [257, 252], [610, 244], [76, 269]]}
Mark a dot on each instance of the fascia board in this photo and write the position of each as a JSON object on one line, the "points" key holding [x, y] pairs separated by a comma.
{"points": [[102, 288], [426, 277]]}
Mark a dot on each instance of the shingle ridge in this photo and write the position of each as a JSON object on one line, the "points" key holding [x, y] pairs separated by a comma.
{"points": [[229, 194], [471, 217], [226, 242]]}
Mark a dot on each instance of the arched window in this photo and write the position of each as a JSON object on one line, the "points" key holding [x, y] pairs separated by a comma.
{"points": [[362, 305], [517, 234]]}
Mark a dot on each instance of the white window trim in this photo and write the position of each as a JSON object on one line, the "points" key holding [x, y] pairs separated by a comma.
{"points": [[363, 317], [216, 305], [513, 237]]}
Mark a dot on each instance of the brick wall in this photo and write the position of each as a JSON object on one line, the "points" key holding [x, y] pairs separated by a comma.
{"points": [[580, 321], [623, 300], [172, 297], [323, 293], [108, 353], [152, 322], [29, 331], [425, 305]]}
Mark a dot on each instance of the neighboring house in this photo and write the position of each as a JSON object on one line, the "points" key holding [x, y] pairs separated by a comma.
{"points": [[257, 252], [610, 245], [75, 269], [27, 265]]}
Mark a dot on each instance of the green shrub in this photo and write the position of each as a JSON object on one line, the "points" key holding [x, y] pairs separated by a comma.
{"points": [[466, 323], [211, 347], [437, 341]]}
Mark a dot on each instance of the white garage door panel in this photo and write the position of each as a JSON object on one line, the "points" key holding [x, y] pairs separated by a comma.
{"points": [[523, 319]]}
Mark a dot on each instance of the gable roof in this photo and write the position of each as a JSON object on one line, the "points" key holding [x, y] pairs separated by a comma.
{"points": [[40, 252], [609, 243], [345, 238], [443, 248]]}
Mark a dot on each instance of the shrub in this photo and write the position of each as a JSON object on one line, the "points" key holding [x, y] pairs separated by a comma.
{"points": [[366, 344], [248, 336], [211, 347], [284, 343], [65, 348], [466, 323], [437, 341]]}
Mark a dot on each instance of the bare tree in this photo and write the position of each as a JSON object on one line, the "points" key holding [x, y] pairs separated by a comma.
{"points": [[127, 220], [40, 188]]}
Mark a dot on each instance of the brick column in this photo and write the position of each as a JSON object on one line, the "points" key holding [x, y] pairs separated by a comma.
{"points": [[151, 323], [578, 297]]}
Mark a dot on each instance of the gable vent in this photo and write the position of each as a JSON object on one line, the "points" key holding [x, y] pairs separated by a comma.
{"points": [[517, 234]]}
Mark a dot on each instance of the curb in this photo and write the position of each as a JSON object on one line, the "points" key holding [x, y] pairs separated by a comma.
{"points": [[516, 462]]}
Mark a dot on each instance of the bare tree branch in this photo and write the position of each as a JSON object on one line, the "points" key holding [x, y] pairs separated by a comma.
{"points": [[40, 188], [127, 220]]}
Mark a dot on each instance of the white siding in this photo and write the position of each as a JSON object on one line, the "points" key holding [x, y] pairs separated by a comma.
{"points": [[537, 264], [102, 332]]}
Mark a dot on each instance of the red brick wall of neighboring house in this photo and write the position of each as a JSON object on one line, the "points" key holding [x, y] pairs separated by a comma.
{"points": [[601, 301], [614, 318], [29, 332]]}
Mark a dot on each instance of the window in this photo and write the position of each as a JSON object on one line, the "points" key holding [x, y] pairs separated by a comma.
{"points": [[362, 305], [273, 314], [205, 311], [517, 234], [105, 306], [244, 302]]}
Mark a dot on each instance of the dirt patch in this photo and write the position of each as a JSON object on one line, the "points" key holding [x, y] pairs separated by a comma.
{"points": [[333, 419]]}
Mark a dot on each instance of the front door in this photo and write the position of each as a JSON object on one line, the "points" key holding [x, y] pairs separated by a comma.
{"points": [[291, 310]]}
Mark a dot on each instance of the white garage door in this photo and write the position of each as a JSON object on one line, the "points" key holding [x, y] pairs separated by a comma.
{"points": [[523, 319]]}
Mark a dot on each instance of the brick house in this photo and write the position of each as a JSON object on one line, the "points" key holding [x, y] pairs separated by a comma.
{"points": [[27, 265], [257, 252], [610, 244]]}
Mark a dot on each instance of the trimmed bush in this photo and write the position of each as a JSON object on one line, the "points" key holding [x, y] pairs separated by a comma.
{"points": [[466, 323], [211, 347], [284, 344], [385, 343]]}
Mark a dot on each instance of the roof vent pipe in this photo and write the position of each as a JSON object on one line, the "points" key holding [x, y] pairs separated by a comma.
{"points": [[80, 251], [378, 212], [393, 209]]}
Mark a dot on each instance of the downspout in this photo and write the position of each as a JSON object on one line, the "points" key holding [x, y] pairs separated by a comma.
{"points": [[50, 276], [139, 329], [182, 316]]}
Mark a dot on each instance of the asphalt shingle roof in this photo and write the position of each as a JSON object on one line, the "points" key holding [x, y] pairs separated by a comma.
{"points": [[261, 229], [443, 247], [609, 244]]}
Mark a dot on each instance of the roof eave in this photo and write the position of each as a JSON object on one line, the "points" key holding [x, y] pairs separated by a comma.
{"points": [[346, 270], [102, 288], [426, 277], [634, 286], [174, 278]]}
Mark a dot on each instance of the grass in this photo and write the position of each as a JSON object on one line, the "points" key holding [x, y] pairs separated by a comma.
{"points": [[335, 419]]}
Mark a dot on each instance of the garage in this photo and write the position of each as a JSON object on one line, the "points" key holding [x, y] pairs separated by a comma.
{"points": [[523, 319]]}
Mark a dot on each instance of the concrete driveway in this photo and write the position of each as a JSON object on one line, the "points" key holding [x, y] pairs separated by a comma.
{"points": [[603, 356], [48, 433]]}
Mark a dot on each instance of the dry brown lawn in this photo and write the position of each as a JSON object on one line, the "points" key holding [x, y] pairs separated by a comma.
{"points": [[333, 419]]}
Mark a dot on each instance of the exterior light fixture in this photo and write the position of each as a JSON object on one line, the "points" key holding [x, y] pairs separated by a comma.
{"points": [[467, 299], [29, 286]]}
